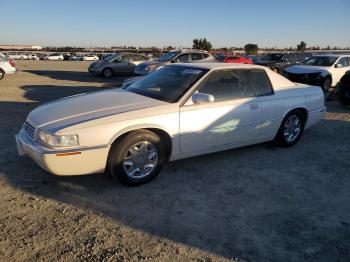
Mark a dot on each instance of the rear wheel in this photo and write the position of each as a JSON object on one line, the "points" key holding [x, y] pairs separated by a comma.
{"points": [[327, 83], [107, 72], [137, 158], [2, 74], [291, 129]]}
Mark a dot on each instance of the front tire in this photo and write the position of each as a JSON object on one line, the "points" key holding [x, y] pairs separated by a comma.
{"points": [[2, 74], [291, 129], [107, 72], [327, 83], [137, 158]]}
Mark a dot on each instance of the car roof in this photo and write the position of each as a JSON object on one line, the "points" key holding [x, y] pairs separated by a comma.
{"points": [[218, 65], [183, 50]]}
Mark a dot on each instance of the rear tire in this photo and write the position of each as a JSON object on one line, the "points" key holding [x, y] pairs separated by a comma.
{"points": [[137, 158], [327, 83], [2, 74], [291, 129], [107, 72]]}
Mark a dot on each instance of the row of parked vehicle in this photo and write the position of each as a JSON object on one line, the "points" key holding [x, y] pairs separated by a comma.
{"points": [[53, 57], [324, 70]]}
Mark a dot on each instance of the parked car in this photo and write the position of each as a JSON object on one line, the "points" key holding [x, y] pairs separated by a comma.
{"points": [[233, 59], [179, 111], [117, 64], [17, 56], [32, 57], [76, 58], [7, 66], [175, 56], [342, 90], [279, 61], [320, 70], [67, 56], [55, 57], [90, 57]]}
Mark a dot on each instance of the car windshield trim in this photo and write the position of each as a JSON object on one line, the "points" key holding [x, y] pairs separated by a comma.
{"points": [[182, 77]]}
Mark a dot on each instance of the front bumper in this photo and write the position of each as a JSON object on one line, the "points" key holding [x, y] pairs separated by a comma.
{"points": [[309, 79], [63, 162], [11, 71]]}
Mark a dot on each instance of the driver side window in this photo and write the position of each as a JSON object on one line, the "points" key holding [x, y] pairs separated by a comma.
{"points": [[124, 59], [344, 61], [227, 85], [185, 58]]}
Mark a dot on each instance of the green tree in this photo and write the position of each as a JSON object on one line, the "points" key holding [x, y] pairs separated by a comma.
{"points": [[251, 49], [202, 44], [301, 47]]}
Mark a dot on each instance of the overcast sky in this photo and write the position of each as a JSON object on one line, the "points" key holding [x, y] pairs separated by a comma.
{"points": [[267, 23]]}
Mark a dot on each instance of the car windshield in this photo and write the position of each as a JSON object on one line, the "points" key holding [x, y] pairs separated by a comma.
{"points": [[320, 61], [168, 83], [272, 57], [168, 56]]}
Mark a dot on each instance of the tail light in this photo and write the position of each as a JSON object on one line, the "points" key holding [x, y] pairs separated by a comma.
{"points": [[12, 63]]}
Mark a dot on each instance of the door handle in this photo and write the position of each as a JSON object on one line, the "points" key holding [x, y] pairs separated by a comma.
{"points": [[254, 106]]}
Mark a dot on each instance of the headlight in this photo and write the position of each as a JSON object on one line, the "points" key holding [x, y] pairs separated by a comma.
{"points": [[58, 141]]}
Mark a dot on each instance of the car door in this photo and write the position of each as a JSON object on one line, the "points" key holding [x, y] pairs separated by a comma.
{"points": [[231, 119], [120, 65], [338, 72], [271, 112], [183, 58]]}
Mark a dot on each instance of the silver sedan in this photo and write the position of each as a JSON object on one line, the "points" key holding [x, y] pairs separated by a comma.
{"points": [[117, 64]]}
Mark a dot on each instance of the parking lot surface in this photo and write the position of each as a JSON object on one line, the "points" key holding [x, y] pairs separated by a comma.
{"points": [[258, 203]]}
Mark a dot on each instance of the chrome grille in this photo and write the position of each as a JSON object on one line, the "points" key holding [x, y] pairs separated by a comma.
{"points": [[29, 129]]}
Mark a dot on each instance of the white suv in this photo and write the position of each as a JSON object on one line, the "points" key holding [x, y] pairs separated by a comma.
{"points": [[320, 70]]}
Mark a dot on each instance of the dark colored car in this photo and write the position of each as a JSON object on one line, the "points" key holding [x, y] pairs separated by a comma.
{"points": [[342, 91], [279, 61]]}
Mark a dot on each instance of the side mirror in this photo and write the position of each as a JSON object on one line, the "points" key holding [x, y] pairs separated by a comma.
{"points": [[201, 98], [176, 60], [338, 65]]}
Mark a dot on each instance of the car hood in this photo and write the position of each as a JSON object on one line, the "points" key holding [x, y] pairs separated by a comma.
{"points": [[302, 69], [84, 107]]}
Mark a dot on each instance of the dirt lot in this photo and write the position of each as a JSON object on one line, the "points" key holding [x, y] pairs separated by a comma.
{"points": [[259, 203]]}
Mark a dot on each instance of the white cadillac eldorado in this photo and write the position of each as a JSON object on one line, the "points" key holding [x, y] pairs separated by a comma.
{"points": [[179, 111]]}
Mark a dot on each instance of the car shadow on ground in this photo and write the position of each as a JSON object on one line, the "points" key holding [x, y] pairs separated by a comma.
{"points": [[259, 203], [79, 76]]}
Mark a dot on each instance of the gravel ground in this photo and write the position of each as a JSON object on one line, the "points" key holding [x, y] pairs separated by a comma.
{"points": [[258, 203]]}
